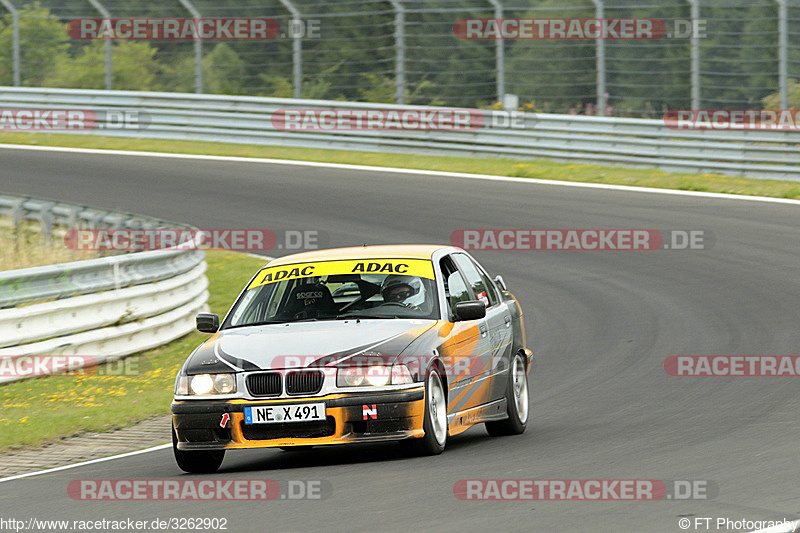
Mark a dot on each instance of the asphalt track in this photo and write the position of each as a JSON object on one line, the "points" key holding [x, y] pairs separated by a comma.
{"points": [[601, 325]]}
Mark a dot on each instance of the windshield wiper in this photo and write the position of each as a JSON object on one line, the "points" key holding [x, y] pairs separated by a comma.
{"points": [[259, 323]]}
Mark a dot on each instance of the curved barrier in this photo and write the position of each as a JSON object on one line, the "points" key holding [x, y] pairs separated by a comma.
{"points": [[607, 140], [105, 308]]}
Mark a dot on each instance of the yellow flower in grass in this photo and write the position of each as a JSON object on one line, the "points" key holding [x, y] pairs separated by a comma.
{"points": [[23, 420]]}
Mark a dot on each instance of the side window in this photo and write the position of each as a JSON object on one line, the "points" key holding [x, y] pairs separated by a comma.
{"points": [[479, 286], [491, 288], [454, 287]]}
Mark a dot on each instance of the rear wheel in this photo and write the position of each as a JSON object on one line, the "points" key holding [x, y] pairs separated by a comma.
{"points": [[516, 402], [435, 422], [196, 461]]}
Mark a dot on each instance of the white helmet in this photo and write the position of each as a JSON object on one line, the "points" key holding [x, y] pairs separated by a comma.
{"points": [[392, 282]]}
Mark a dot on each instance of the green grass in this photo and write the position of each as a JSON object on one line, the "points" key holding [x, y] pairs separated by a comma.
{"points": [[43, 409], [539, 168]]}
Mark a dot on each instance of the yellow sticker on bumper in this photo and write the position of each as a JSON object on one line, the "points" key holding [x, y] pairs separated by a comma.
{"points": [[409, 267]]}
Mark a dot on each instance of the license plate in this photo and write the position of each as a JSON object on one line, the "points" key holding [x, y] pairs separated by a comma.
{"points": [[279, 414]]}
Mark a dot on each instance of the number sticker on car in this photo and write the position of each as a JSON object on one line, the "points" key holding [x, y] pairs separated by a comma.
{"points": [[272, 414]]}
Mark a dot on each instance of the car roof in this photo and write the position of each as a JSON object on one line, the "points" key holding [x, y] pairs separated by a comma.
{"points": [[387, 251]]}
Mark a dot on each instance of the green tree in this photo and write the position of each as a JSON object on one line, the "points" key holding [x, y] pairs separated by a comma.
{"points": [[223, 71], [43, 45], [773, 101], [132, 67]]}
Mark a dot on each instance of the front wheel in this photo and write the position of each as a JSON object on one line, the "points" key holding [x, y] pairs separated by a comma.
{"points": [[196, 461], [435, 422], [516, 402]]}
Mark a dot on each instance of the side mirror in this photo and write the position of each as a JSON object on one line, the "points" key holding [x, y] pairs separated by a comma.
{"points": [[501, 283], [207, 322], [470, 310]]}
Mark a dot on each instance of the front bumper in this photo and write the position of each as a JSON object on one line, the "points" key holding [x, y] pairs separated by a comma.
{"points": [[399, 415]]}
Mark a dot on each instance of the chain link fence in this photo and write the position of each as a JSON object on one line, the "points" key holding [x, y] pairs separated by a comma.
{"points": [[745, 55]]}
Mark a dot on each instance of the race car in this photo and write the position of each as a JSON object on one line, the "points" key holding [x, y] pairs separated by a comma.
{"points": [[408, 343]]}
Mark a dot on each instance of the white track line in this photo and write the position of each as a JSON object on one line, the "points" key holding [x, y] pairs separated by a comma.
{"points": [[84, 463], [394, 170]]}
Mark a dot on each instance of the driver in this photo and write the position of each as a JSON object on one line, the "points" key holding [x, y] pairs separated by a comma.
{"points": [[400, 289]]}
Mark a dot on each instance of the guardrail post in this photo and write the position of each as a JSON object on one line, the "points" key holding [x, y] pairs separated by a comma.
{"points": [[694, 45], [783, 60], [499, 52], [198, 47], [46, 220], [400, 52], [104, 12], [15, 38], [297, 48], [17, 213], [600, 62]]}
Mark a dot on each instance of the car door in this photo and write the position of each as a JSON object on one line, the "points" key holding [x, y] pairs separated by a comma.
{"points": [[467, 348], [497, 322]]}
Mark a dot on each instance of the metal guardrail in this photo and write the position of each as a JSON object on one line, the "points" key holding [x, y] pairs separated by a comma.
{"points": [[607, 140], [93, 275], [105, 308]]}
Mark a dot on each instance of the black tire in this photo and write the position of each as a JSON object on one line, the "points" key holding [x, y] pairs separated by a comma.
{"points": [[435, 421], [516, 422], [198, 461]]}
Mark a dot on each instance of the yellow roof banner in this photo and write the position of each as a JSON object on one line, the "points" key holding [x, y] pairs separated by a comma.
{"points": [[409, 267]]}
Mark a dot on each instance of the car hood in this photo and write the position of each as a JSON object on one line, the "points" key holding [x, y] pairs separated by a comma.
{"points": [[302, 344]]}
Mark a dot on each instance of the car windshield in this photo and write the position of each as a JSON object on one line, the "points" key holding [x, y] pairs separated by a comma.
{"points": [[338, 290]]}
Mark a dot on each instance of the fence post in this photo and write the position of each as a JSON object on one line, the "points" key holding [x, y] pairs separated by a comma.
{"points": [[499, 52], [297, 48], [198, 47], [104, 12], [400, 53], [694, 45], [783, 59], [15, 37], [600, 62]]}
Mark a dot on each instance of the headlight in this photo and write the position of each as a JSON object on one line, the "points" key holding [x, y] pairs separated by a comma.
{"points": [[225, 383], [204, 384], [372, 376], [181, 385]]}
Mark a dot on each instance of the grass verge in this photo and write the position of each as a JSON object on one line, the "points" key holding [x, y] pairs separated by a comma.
{"points": [[539, 168], [38, 410]]}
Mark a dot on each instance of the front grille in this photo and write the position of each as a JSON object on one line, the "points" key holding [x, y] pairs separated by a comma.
{"points": [[317, 428], [264, 384], [304, 382]]}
